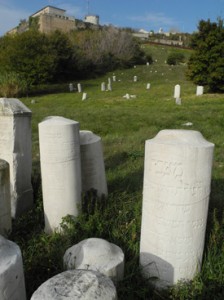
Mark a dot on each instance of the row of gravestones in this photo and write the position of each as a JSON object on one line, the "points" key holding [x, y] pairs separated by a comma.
{"points": [[177, 175]]}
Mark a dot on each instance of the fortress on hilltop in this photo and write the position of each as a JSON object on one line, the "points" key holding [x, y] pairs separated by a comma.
{"points": [[51, 18]]}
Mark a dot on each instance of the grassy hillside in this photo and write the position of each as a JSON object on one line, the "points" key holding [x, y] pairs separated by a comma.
{"points": [[124, 125]]}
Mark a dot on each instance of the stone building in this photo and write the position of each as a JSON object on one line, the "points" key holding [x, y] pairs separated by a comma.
{"points": [[51, 18]]}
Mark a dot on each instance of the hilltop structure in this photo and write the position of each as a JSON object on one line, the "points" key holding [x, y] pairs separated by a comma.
{"points": [[51, 18]]}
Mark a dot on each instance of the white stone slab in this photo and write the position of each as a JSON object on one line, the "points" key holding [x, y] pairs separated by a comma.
{"points": [[103, 87], [77, 284], [114, 77], [92, 163], [5, 201], [84, 96], [199, 90], [60, 169], [177, 176], [135, 78], [97, 255], [12, 285], [148, 85], [79, 87], [177, 91], [15, 148], [71, 87]]}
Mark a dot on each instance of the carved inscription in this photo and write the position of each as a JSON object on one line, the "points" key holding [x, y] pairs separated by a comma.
{"points": [[167, 168]]}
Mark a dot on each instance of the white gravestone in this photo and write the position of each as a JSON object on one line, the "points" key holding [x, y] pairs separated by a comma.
{"points": [[97, 255], [92, 163], [60, 169], [5, 204], [114, 77], [177, 91], [200, 90], [71, 88], [109, 81], [135, 78], [84, 96], [15, 148], [148, 86], [79, 87], [109, 87], [12, 285], [177, 176], [76, 284], [103, 87]]}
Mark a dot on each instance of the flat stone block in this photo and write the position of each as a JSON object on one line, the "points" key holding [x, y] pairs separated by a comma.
{"points": [[12, 285], [98, 255], [77, 284]]}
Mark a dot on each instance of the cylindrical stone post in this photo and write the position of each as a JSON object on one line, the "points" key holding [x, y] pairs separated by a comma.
{"points": [[92, 163], [5, 201], [177, 177], [60, 169], [12, 284], [79, 87], [176, 91]]}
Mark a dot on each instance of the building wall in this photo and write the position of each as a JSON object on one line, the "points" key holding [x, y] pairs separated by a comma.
{"points": [[49, 23]]}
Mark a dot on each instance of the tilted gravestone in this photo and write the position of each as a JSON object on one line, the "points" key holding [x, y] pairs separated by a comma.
{"points": [[177, 177], [5, 202], [12, 284], [97, 255], [92, 163], [15, 148], [60, 169], [77, 284]]}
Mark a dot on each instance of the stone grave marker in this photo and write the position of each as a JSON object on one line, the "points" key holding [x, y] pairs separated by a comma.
{"points": [[177, 177], [92, 163], [5, 201], [103, 87], [148, 85], [199, 90], [76, 284], [71, 87], [15, 148], [12, 284], [84, 96], [97, 255], [60, 169], [79, 87], [177, 91], [135, 78]]}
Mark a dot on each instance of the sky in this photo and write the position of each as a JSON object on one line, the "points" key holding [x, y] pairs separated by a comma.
{"points": [[181, 15]]}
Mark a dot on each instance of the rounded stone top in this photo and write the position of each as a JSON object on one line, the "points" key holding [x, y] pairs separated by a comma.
{"points": [[57, 120], [183, 137], [9, 252], [13, 106], [87, 137], [96, 254], [3, 164], [76, 284]]}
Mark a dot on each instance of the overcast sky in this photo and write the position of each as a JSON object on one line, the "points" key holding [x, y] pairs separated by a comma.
{"points": [[183, 15]]}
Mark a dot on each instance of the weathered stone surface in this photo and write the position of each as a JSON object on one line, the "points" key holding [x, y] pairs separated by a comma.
{"points": [[97, 255], [15, 148], [5, 201], [76, 284], [199, 90], [92, 163], [60, 169], [177, 176], [12, 286]]}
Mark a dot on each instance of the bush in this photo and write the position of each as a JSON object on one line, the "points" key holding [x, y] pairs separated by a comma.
{"points": [[175, 58], [11, 85]]}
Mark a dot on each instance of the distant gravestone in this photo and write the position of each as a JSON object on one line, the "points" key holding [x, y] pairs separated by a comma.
{"points": [[177, 91], [71, 87], [12, 284], [148, 86], [97, 255], [109, 81], [177, 177], [109, 87], [15, 148], [60, 169], [84, 96], [92, 163], [76, 284], [114, 77], [200, 90], [135, 78], [147, 64], [5, 201], [103, 87], [79, 87]]}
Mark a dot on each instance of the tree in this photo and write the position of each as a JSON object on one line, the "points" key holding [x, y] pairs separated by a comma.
{"points": [[206, 64]]}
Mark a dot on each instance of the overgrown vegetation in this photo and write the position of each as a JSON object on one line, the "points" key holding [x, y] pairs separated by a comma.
{"points": [[206, 65], [38, 58], [124, 125], [175, 58]]}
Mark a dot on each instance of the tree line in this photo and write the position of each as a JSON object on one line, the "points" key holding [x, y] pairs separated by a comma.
{"points": [[34, 58]]}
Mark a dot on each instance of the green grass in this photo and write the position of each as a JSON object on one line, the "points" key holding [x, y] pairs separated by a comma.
{"points": [[124, 125]]}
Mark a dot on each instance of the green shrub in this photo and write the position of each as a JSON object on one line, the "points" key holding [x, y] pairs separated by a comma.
{"points": [[175, 58], [11, 85]]}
